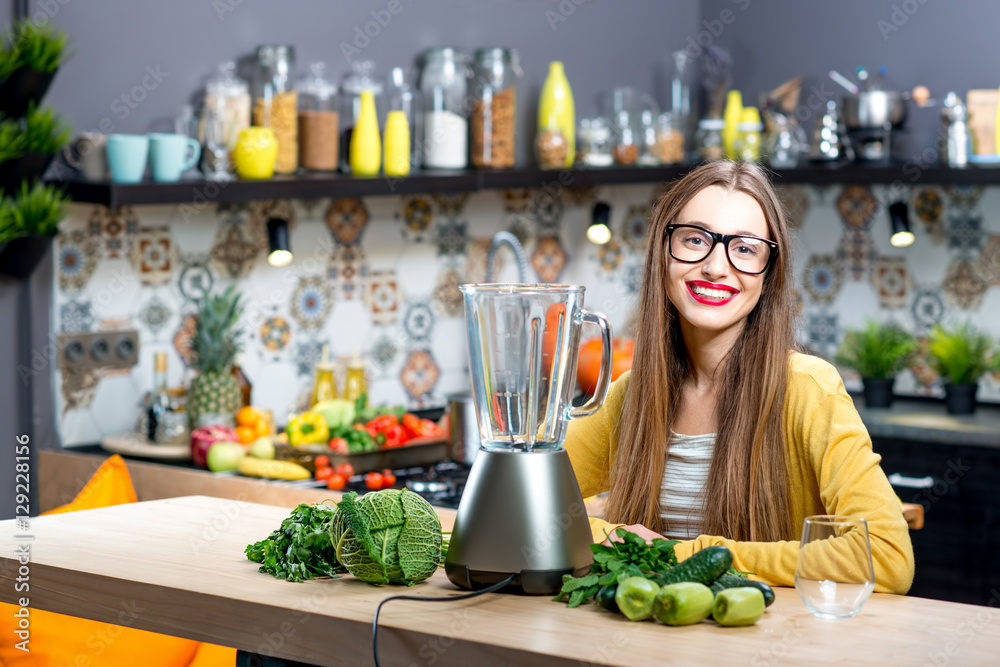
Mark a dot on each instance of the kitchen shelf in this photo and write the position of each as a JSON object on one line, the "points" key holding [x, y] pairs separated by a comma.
{"points": [[197, 191]]}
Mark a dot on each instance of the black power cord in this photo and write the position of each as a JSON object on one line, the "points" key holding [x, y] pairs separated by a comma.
{"points": [[466, 596]]}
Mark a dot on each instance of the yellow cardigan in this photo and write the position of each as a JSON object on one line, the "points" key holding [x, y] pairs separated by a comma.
{"points": [[831, 470]]}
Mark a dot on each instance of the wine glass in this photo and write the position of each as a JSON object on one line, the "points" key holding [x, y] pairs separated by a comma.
{"points": [[834, 576]]}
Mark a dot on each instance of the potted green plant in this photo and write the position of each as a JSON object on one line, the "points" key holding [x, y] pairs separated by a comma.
{"points": [[12, 145], [27, 226], [961, 355], [878, 352], [28, 63], [45, 134]]}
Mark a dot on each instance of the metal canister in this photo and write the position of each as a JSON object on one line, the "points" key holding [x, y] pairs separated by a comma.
{"points": [[464, 427]]}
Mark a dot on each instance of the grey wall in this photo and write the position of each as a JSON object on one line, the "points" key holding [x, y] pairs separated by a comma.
{"points": [[945, 45], [604, 43]]}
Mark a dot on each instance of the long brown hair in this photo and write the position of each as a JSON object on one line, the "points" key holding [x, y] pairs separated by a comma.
{"points": [[746, 495]]}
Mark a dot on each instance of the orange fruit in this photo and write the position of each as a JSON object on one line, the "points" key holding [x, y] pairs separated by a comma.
{"points": [[248, 416], [263, 427], [246, 434]]}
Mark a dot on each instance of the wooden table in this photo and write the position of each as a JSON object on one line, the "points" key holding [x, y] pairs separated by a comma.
{"points": [[178, 563]]}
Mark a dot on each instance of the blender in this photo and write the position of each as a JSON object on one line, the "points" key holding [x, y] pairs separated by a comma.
{"points": [[522, 512]]}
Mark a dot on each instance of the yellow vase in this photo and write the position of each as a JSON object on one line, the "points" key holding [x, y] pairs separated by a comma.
{"points": [[556, 109], [732, 116], [397, 144], [255, 153], [366, 144]]}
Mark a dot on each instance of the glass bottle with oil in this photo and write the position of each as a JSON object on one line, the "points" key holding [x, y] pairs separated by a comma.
{"points": [[324, 385]]}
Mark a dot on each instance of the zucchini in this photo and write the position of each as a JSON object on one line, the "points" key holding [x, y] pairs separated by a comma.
{"points": [[731, 581], [703, 567]]}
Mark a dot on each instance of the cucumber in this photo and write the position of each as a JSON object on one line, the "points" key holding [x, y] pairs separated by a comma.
{"points": [[738, 606], [683, 603], [606, 598], [703, 567], [730, 581]]}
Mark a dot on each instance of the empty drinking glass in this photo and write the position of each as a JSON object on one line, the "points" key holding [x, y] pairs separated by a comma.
{"points": [[834, 576]]}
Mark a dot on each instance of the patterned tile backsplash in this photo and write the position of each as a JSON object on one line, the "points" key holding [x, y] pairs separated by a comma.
{"points": [[380, 276]]}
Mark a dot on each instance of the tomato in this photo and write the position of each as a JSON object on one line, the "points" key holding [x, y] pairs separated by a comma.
{"points": [[345, 469], [339, 445], [323, 474], [374, 481], [322, 461], [589, 364], [388, 478], [336, 482]]}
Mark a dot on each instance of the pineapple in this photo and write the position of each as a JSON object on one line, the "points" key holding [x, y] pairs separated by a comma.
{"points": [[215, 344]]}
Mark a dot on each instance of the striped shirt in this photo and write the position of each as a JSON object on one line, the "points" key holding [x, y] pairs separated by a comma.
{"points": [[684, 476]]}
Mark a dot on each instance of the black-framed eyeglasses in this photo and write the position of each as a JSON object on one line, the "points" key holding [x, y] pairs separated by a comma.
{"points": [[747, 254]]}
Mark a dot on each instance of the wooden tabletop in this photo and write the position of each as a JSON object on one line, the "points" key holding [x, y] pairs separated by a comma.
{"points": [[178, 566]]}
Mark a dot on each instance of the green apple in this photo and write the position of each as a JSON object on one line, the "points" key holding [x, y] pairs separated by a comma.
{"points": [[683, 603], [224, 456], [738, 606], [262, 448], [635, 598]]}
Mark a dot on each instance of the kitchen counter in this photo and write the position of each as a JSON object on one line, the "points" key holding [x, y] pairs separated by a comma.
{"points": [[180, 562], [927, 421]]}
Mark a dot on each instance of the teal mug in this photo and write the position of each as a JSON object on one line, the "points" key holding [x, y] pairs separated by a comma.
{"points": [[170, 155], [127, 155]]}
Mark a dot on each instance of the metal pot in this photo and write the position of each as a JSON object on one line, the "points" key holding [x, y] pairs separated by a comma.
{"points": [[464, 426], [872, 109]]}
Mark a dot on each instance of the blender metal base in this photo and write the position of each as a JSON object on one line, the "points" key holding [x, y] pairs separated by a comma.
{"points": [[521, 513]]}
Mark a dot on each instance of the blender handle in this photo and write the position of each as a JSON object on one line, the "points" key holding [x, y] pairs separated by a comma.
{"points": [[604, 377]]}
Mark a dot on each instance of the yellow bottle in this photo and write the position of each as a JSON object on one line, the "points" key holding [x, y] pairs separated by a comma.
{"points": [[324, 386], [397, 144], [748, 139], [555, 106], [732, 116], [354, 383], [366, 144]]}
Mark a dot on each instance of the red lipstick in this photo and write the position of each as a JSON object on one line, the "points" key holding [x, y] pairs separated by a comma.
{"points": [[707, 300]]}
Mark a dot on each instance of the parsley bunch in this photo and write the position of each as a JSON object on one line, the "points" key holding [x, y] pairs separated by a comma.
{"points": [[301, 548], [612, 564]]}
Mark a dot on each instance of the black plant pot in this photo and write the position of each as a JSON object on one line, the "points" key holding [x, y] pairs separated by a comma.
{"points": [[960, 399], [20, 257], [22, 88], [878, 392], [10, 176], [29, 167]]}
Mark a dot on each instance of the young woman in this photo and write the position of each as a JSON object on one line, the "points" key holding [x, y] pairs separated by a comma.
{"points": [[721, 433]]}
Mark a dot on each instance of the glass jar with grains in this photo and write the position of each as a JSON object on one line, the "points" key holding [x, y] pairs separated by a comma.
{"points": [[361, 78], [275, 102], [228, 96], [669, 139], [495, 74], [594, 143], [551, 147], [319, 121], [444, 74], [708, 139]]}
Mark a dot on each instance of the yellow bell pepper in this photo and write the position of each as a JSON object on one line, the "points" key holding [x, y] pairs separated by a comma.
{"points": [[309, 428]]}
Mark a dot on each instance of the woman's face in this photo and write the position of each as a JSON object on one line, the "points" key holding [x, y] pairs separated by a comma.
{"points": [[711, 295]]}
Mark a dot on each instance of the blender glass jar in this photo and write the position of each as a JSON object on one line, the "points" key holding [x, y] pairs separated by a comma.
{"points": [[319, 121], [275, 102], [443, 87], [494, 110]]}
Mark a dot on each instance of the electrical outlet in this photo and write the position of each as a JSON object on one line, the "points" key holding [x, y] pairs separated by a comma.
{"points": [[99, 349]]}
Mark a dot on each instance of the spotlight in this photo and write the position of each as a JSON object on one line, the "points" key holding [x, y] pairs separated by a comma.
{"points": [[598, 232], [899, 218], [277, 238]]}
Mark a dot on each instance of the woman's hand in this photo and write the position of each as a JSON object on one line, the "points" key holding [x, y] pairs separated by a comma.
{"points": [[638, 529]]}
